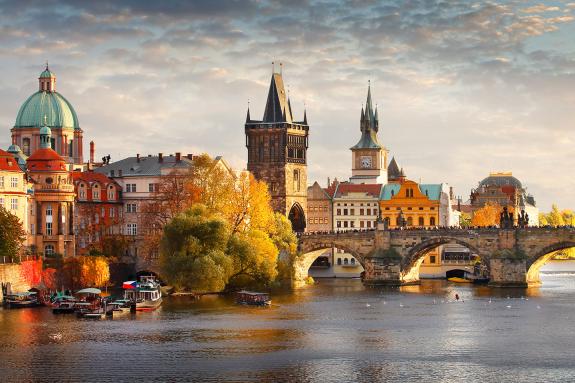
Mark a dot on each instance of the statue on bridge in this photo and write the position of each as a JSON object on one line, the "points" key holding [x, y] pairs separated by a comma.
{"points": [[506, 220], [523, 220], [401, 221]]}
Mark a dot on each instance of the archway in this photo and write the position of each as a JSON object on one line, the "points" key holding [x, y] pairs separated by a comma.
{"points": [[297, 217], [474, 263], [540, 258], [304, 261]]}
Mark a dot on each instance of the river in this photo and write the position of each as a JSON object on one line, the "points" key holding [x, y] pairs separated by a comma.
{"points": [[336, 331]]}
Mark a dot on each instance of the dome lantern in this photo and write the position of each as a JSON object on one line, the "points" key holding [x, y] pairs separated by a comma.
{"points": [[45, 136], [47, 80]]}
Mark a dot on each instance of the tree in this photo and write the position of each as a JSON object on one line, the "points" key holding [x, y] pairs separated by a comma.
{"points": [[193, 251], [488, 215], [84, 271], [465, 219], [254, 259], [558, 217], [12, 234]]}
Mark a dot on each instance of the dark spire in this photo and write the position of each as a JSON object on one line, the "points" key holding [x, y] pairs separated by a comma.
{"points": [[368, 126], [248, 119], [304, 117], [393, 172], [277, 108], [362, 114]]}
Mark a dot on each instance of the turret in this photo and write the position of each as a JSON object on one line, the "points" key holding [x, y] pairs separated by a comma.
{"points": [[47, 80]]}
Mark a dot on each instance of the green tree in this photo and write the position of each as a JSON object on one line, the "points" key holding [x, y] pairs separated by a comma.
{"points": [[464, 219], [12, 235], [193, 251], [558, 217]]}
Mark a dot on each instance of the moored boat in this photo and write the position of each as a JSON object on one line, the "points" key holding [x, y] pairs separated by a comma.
{"points": [[63, 304], [21, 300], [253, 298], [146, 293]]}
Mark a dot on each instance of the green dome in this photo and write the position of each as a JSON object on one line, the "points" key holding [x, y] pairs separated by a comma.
{"points": [[58, 112], [47, 74]]}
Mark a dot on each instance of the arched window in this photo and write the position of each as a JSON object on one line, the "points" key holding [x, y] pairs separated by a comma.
{"points": [[392, 193], [345, 261], [353, 261], [111, 193], [82, 191], [49, 250], [432, 221], [26, 146], [339, 261], [296, 180], [96, 192], [421, 221], [409, 221]]}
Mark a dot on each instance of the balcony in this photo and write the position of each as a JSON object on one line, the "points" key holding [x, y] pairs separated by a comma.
{"points": [[55, 188]]}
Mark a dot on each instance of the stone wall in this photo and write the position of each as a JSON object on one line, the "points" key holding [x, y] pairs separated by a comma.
{"points": [[12, 273], [508, 272]]}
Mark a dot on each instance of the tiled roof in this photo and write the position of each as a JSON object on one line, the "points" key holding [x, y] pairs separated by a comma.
{"points": [[91, 176], [386, 191], [372, 190], [432, 191], [45, 159], [8, 163], [146, 166]]}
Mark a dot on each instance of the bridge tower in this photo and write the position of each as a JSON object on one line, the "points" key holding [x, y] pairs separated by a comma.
{"points": [[277, 153]]}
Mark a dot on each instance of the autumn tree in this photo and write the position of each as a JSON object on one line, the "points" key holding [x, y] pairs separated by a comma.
{"points": [[465, 219], [12, 234], [488, 215], [193, 251], [556, 218], [85, 271]]}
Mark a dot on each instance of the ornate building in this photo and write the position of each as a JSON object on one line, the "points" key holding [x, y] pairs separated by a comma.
{"points": [[277, 153], [369, 157], [49, 108], [52, 212], [506, 191]]}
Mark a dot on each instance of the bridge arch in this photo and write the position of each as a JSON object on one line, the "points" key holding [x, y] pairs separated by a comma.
{"points": [[411, 263], [541, 257]]}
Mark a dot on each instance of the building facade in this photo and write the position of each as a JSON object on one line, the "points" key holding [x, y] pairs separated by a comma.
{"points": [[277, 153], [99, 211], [319, 208], [49, 108], [52, 211], [14, 186]]}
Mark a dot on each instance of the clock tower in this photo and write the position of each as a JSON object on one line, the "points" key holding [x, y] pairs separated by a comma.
{"points": [[369, 157]]}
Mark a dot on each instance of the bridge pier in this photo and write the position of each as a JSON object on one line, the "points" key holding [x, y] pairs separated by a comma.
{"points": [[384, 268], [508, 272]]}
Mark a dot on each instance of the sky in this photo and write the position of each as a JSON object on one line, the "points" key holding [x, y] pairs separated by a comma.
{"points": [[463, 88]]}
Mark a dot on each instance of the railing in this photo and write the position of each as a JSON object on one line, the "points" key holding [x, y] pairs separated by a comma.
{"points": [[17, 259]]}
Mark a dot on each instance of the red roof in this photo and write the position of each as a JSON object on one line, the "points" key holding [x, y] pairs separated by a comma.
{"points": [[371, 189], [45, 159], [8, 163]]}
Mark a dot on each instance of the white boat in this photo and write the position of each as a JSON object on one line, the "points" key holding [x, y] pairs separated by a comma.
{"points": [[146, 293]]}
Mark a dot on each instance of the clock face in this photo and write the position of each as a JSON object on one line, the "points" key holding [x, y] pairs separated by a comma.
{"points": [[366, 162]]}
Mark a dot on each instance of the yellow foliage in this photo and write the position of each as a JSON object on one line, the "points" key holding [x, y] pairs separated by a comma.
{"points": [[86, 271], [488, 215]]}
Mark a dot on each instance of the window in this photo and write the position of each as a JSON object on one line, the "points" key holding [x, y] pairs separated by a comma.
{"points": [[296, 180], [49, 250], [153, 188], [26, 146], [432, 259], [392, 193], [421, 221], [352, 261], [14, 182], [96, 192], [368, 211], [48, 228], [111, 193], [344, 223], [351, 211], [338, 211], [361, 224], [361, 211], [420, 208], [103, 212], [344, 211], [339, 261], [345, 261], [14, 204], [338, 223], [432, 221], [112, 212], [132, 229], [131, 188], [49, 211], [32, 231], [1, 182], [409, 221], [368, 223], [131, 208], [351, 223]]}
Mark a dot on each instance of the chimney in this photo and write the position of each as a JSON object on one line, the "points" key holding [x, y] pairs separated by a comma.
{"points": [[92, 152], [451, 193], [190, 156], [138, 157], [328, 182], [160, 157], [178, 156]]}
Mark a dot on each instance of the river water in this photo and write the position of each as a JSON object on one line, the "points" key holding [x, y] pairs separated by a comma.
{"points": [[336, 331]]}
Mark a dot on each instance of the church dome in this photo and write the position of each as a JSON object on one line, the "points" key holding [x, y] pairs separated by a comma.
{"points": [[501, 179], [47, 107], [50, 108]]}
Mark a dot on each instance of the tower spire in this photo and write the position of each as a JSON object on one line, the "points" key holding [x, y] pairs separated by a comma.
{"points": [[248, 119]]}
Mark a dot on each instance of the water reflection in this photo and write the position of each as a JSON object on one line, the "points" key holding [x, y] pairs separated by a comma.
{"points": [[335, 331]]}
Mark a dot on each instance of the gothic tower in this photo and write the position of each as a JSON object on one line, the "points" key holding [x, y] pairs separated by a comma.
{"points": [[277, 153], [369, 157]]}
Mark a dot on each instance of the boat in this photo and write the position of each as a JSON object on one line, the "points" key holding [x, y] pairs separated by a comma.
{"points": [[21, 300], [145, 293], [121, 306], [253, 298], [459, 280], [63, 304]]}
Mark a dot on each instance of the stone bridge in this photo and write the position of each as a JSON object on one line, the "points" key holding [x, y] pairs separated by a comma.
{"points": [[513, 257]]}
